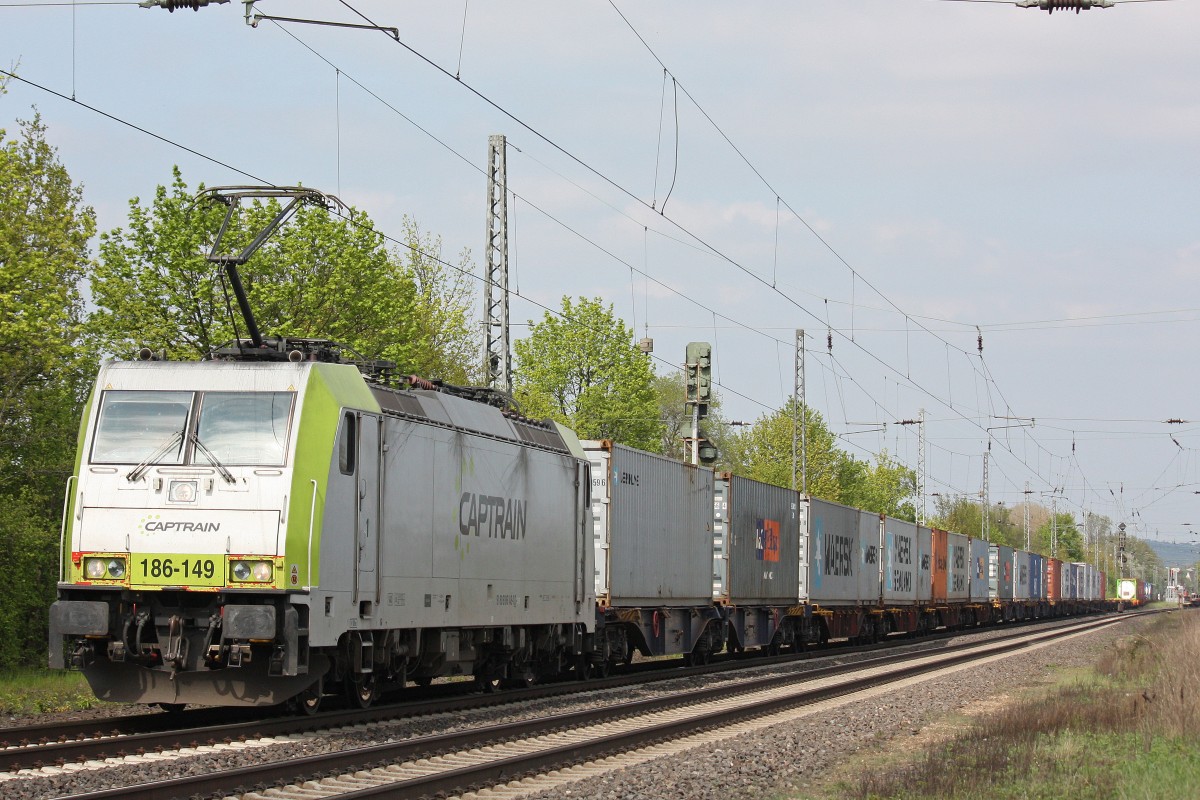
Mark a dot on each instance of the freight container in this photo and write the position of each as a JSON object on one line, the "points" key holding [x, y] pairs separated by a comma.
{"points": [[653, 527], [901, 562], [1127, 589], [760, 541], [959, 571], [1103, 585], [941, 566], [1037, 577], [1020, 575], [924, 565], [980, 571], [1053, 579], [843, 553], [1000, 572], [1084, 578], [1069, 587]]}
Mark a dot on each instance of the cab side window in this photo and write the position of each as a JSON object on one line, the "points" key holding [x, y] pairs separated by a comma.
{"points": [[348, 443]]}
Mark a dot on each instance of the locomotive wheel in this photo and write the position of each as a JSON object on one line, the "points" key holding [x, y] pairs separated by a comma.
{"points": [[362, 693], [487, 685], [308, 702]]}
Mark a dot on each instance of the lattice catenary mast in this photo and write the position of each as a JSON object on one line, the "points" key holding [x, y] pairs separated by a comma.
{"points": [[497, 355]]}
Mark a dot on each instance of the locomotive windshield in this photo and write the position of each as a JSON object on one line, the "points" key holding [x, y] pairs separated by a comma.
{"points": [[134, 425], [231, 428], [244, 428]]}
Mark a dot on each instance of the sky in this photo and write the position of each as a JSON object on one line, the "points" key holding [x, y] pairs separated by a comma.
{"points": [[898, 178]]}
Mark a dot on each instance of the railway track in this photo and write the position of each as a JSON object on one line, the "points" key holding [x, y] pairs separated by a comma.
{"points": [[61, 743], [454, 762]]}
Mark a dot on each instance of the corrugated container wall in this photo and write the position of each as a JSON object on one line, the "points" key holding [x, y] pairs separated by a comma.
{"points": [[843, 549], [979, 571], [1000, 569], [924, 565], [1037, 577], [941, 566], [1053, 579], [763, 541], [901, 557], [958, 575], [653, 524], [1020, 575]]}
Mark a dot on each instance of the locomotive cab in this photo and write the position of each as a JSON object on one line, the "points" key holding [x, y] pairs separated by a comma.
{"points": [[175, 535]]}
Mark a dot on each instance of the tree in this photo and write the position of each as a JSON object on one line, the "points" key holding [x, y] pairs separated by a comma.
{"points": [[318, 276], [1069, 539], [44, 231], [676, 416], [886, 487], [447, 346], [581, 368], [764, 453]]}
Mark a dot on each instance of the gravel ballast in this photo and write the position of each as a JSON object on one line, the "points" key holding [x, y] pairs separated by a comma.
{"points": [[752, 765]]}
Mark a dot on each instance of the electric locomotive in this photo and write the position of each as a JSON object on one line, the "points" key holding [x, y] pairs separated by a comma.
{"points": [[283, 520]]}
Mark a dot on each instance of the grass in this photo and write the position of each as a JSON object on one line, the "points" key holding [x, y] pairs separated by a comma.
{"points": [[25, 692], [1126, 730]]}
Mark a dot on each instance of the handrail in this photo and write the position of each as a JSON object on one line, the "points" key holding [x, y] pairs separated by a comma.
{"points": [[62, 528], [312, 515]]}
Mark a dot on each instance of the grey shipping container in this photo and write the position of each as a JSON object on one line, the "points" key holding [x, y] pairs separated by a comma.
{"points": [[901, 559], [1037, 577], [1086, 581], [924, 565], [1000, 572], [761, 542], [1021, 579], [843, 550], [1069, 589], [979, 572], [958, 572], [653, 528]]}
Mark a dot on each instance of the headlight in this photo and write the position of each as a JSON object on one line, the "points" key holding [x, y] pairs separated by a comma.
{"points": [[116, 568], [96, 568], [183, 491], [253, 571]]}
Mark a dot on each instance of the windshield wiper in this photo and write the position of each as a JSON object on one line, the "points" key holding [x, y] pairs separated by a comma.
{"points": [[212, 459], [137, 472]]}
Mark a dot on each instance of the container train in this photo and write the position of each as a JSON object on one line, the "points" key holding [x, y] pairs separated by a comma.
{"points": [[249, 532], [283, 520]]}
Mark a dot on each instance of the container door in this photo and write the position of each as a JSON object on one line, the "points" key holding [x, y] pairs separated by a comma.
{"points": [[599, 471], [369, 453]]}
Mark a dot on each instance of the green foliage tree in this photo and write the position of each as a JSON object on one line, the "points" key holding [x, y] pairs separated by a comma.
{"points": [[581, 368], [885, 486], [318, 276], [1070, 539], [447, 346], [963, 515], [44, 231], [764, 453], [671, 396]]}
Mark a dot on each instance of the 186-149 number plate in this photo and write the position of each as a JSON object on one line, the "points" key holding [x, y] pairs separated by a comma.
{"points": [[174, 569]]}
